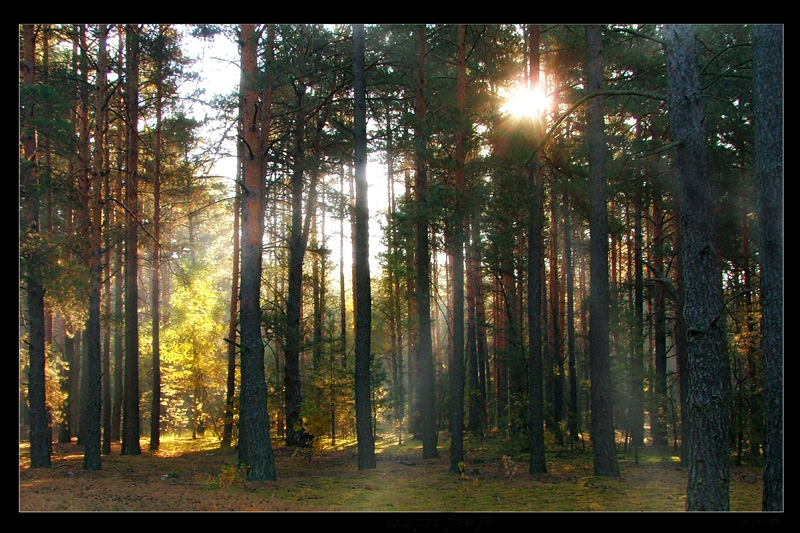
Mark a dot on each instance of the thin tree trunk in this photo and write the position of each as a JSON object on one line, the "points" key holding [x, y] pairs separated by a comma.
{"points": [[130, 411], [92, 445], [681, 348], [155, 289], [423, 259], [83, 219], [537, 463], [230, 392], [119, 333], [481, 338], [658, 427], [317, 289], [342, 290], [67, 350], [297, 247], [457, 265], [572, 419], [414, 419], [395, 318], [604, 451], [637, 355], [366, 438], [298, 242], [556, 322], [477, 394], [108, 210]]}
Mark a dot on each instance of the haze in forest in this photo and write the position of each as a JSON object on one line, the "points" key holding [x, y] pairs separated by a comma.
{"points": [[217, 66], [495, 244]]}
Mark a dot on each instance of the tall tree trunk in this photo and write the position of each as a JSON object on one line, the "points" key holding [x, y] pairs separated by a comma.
{"points": [[481, 337], [317, 288], [298, 242], [476, 386], [557, 322], [83, 215], [754, 374], [768, 82], [130, 411], [709, 476], [230, 391], [500, 346], [415, 415], [67, 351], [573, 421], [93, 206], [119, 333], [108, 210], [342, 296], [604, 451], [658, 421], [297, 247], [119, 290], [39, 432], [637, 355], [535, 182], [366, 438], [155, 289], [425, 382], [255, 448], [75, 381], [395, 298], [457, 263], [681, 347]]}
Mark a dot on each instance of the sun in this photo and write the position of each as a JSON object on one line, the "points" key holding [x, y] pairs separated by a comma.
{"points": [[523, 102]]}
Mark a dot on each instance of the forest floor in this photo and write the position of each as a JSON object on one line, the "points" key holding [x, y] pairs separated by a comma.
{"points": [[196, 475]]}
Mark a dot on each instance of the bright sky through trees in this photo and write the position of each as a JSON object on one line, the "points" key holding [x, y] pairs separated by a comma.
{"points": [[523, 102], [218, 69]]}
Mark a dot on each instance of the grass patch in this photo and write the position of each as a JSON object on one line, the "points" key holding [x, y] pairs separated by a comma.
{"points": [[196, 475]]}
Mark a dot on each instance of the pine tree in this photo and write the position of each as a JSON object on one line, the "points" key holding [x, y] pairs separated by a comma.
{"points": [[707, 399]]}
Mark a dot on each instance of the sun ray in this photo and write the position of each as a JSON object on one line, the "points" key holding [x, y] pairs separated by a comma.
{"points": [[523, 102]]}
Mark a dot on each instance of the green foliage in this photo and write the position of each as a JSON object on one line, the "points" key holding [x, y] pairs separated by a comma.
{"points": [[229, 477], [193, 351]]}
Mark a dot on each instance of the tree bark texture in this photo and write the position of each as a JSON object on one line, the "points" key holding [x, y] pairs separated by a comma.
{"points": [[363, 389], [709, 476], [255, 448], [573, 419], [425, 383], [155, 290], [768, 84], [93, 204], [658, 420], [230, 391], [40, 440], [297, 250], [457, 265], [604, 451], [130, 406], [537, 463]]}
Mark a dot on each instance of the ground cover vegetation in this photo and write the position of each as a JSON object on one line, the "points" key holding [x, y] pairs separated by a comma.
{"points": [[389, 267], [195, 475]]}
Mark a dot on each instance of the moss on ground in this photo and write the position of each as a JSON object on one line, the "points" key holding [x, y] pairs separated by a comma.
{"points": [[195, 475]]}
